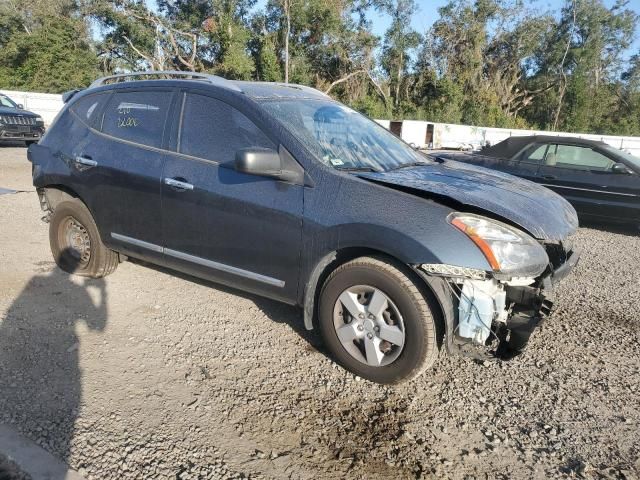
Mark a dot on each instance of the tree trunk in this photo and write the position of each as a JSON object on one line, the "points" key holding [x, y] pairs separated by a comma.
{"points": [[287, 8], [563, 87], [398, 81]]}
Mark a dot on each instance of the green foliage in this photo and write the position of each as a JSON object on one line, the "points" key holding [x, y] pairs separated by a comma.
{"points": [[55, 57], [267, 62]]}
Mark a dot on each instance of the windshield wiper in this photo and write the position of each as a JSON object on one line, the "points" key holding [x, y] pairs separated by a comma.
{"points": [[411, 164], [358, 169]]}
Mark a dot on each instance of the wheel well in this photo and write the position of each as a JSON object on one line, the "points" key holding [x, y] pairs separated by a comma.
{"points": [[342, 256], [54, 194]]}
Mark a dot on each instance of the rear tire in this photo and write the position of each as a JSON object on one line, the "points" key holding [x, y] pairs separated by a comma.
{"points": [[365, 306], [75, 242]]}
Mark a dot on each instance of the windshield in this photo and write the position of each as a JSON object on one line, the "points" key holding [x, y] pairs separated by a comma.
{"points": [[7, 102], [630, 159], [341, 137]]}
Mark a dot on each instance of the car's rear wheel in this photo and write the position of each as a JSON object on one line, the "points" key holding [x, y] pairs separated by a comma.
{"points": [[75, 242], [376, 321]]}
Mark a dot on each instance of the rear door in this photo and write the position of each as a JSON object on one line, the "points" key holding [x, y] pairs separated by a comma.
{"points": [[583, 176], [123, 162], [239, 229]]}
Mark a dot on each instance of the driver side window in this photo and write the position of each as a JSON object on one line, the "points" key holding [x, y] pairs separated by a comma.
{"points": [[577, 158], [214, 130]]}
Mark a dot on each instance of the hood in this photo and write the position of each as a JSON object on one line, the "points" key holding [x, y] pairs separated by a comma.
{"points": [[16, 111], [536, 209]]}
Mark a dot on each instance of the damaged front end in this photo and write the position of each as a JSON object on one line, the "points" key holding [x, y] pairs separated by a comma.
{"points": [[492, 314]]}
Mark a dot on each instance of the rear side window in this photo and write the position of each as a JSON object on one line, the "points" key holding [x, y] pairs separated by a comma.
{"points": [[577, 158], [87, 108], [214, 130], [137, 116], [533, 154]]}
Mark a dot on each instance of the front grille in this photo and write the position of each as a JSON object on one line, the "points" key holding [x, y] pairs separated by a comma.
{"points": [[17, 120]]}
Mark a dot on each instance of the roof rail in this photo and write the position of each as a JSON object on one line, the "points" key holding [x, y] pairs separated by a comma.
{"points": [[206, 77], [303, 88]]}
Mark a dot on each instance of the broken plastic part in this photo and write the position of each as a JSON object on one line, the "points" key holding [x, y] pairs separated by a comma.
{"points": [[481, 302], [453, 271]]}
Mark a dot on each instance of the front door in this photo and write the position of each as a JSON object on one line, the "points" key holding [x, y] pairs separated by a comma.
{"points": [[584, 177], [239, 229]]}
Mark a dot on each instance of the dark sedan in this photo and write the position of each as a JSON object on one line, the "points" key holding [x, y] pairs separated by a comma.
{"points": [[600, 181]]}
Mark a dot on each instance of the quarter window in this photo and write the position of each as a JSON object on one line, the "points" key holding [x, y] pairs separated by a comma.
{"points": [[533, 154], [137, 116], [86, 108], [214, 130], [577, 158]]}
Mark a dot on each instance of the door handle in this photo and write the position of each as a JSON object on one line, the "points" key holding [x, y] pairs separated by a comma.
{"points": [[549, 177], [86, 161], [178, 184]]}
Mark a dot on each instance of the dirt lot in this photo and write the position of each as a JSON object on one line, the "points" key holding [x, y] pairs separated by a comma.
{"points": [[146, 374]]}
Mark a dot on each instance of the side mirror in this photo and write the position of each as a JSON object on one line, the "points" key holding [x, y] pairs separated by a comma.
{"points": [[21, 106], [620, 168], [266, 162]]}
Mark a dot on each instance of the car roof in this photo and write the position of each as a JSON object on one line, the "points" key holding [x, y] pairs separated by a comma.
{"points": [[255, 90], [512, 145]]}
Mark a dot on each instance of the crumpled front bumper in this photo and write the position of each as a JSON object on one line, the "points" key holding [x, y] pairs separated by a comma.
{"points": [[531, 306], [561, 272], [526, 306]]}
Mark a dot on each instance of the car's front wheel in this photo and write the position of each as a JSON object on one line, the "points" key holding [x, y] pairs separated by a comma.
{"points": [[377, 322], [75, 242]]}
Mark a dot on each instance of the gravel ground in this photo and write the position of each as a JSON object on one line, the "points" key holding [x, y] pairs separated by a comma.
{"points": [[147, 374]]}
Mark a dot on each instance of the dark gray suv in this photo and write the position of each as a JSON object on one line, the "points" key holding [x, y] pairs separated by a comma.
{"points": [[279, 190]]}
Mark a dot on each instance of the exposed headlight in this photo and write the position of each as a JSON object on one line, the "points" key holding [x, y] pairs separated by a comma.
{"points": [[39, 119], [509, 251]]}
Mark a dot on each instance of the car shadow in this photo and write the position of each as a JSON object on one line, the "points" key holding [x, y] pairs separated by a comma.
{"points": [[276, 311], [40, 375]]}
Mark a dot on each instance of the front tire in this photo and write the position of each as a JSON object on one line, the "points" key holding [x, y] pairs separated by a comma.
{"points": [[75, 242], [376, 322]]}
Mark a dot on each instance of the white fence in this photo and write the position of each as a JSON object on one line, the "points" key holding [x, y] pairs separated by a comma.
{"points": [[47, 105]]}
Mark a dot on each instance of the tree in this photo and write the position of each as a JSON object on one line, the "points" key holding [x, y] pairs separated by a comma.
{"points": [[45, 47], [399, 41], [583, 57]]}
